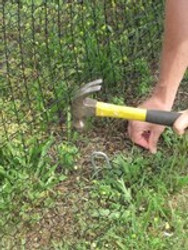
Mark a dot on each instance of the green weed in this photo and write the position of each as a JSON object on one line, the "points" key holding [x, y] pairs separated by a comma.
{"points": [[130, 202], [26, 182]]}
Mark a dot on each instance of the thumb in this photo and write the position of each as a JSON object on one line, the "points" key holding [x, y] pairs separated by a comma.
{"points": [[153, 140], [181, 124]]}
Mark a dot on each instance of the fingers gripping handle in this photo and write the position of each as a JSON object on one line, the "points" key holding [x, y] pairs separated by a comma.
{"points": [[162, 117]]}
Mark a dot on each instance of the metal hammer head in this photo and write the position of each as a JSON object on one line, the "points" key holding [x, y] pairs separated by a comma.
{"points": [[82, 106]]}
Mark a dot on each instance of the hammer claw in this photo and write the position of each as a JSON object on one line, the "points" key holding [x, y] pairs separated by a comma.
{"points": [[89, 85], [88, 89], [93, 83]]}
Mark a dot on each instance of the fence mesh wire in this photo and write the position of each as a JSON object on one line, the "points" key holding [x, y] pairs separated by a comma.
{"points": [[49, 49]]}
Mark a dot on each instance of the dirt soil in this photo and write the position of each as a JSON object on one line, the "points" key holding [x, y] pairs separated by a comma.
{"points": [[59, 223]]}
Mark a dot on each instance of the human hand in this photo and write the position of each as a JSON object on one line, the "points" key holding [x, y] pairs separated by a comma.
{"points": [[181, 123], [146, 134]]}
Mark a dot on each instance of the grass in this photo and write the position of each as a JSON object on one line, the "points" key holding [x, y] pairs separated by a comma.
{"points": [[50, 196], [132, 205], [140, 203]]}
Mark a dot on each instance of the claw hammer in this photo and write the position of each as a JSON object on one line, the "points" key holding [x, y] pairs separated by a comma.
{"points": [[83, 106]]}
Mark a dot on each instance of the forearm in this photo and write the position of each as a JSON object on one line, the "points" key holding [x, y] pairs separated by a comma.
{"points": [[174, 61]]}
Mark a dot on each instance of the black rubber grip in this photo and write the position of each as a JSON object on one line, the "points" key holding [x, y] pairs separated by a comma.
{"points": [[162, 117]]}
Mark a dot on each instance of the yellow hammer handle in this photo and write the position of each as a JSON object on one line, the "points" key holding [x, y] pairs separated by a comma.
{"points": [[116, 111]]}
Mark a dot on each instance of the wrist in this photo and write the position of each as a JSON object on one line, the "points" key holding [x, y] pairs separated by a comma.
{"points": [[164, 95]]}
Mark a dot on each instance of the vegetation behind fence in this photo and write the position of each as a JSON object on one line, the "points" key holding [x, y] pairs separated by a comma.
{"points": [[49, 49]]}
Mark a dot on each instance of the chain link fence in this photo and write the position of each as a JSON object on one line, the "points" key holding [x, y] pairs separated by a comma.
{"points": [[49, 49]]}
